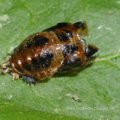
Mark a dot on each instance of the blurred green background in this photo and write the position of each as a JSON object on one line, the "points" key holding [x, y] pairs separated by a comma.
{"points": [[92, 94]]}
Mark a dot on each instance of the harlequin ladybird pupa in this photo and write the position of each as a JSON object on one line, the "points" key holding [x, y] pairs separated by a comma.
{"points": [[53, 50]]}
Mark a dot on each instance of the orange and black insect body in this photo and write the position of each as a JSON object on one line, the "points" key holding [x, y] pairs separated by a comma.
{"points": [[56, 49]]}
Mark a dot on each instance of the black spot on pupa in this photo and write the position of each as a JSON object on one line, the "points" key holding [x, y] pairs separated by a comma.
{"points": [[27, 66], [73, 48], [46, 59], [40, 40], [35, 63], [63, 37], [69, 49]]}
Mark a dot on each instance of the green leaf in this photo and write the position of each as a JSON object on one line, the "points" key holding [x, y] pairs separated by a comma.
{"points": [[92, 94]]}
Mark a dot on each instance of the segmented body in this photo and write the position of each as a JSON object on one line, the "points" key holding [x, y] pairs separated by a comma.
{"points": [[53, 50]]}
